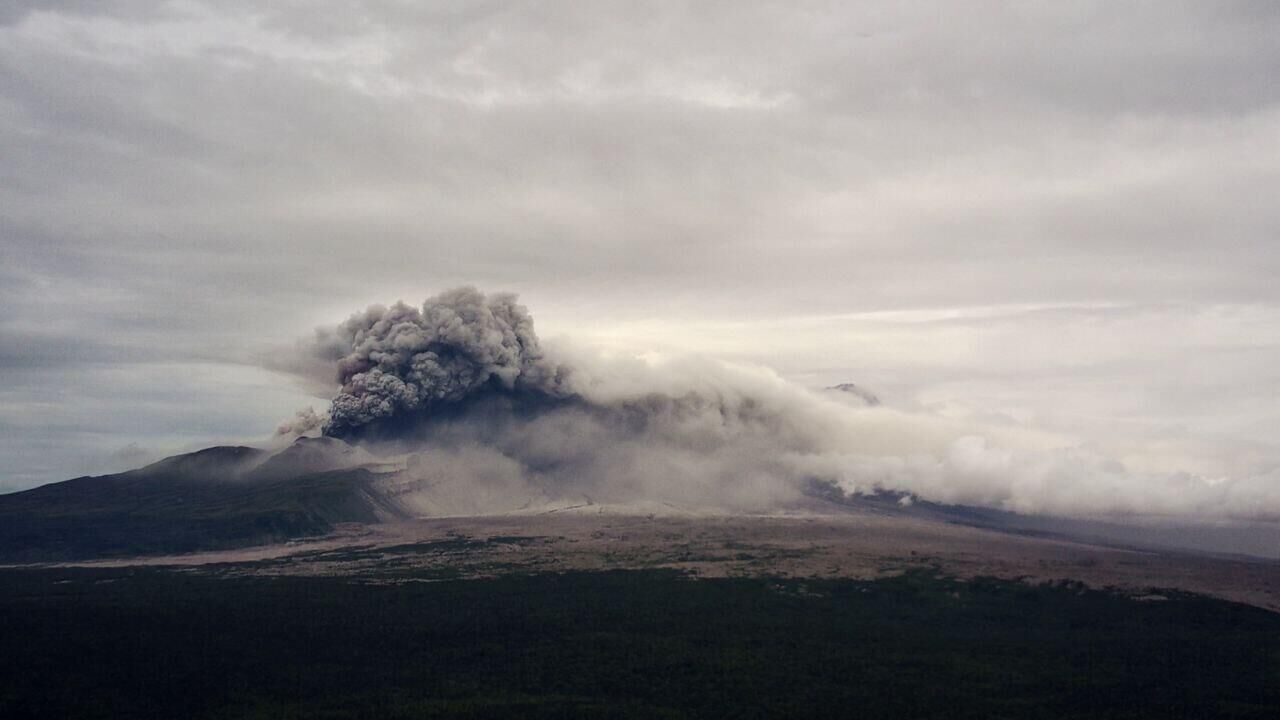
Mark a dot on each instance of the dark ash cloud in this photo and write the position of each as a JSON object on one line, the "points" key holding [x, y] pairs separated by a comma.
{"points": [[400, 363]]}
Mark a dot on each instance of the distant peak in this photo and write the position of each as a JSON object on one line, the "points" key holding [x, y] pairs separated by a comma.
{"points": [[217, 452], [864, 394], [216, 462], [321, 441]]}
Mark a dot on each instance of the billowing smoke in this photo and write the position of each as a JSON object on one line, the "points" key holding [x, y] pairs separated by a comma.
{"points": [[399, 365], [484, 419], [303, 423]]}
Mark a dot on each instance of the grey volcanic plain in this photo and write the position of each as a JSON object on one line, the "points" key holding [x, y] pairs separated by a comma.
{"points": [[858, 543]]}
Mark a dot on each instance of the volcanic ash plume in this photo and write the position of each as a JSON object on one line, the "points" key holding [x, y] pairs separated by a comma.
{"points": [[486, 421], [400, 364]]}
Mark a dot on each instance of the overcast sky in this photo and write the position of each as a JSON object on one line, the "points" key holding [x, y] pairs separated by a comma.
{"points": [[1061, 215]]}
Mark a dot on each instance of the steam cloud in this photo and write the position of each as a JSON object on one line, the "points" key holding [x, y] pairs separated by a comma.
{"points": [[486, 420], [303, 422]]}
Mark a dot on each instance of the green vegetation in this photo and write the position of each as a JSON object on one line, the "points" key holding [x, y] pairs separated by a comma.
{"points": [[155, 643]]}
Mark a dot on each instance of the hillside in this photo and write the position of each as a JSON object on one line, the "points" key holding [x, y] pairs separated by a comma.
{"points": [[222, 497]]}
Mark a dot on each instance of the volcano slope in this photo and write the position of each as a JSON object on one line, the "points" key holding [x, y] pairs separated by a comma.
{"points": [[322, 506], [216, 498], [312, 499]]}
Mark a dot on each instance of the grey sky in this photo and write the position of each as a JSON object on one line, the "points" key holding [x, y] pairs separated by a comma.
{"points": [[1054, 214]]}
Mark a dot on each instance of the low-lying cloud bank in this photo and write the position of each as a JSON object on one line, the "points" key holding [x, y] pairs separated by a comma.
{"points": [[485, 419]]}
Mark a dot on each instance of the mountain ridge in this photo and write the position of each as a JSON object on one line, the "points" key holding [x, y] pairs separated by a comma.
{"points": [[231, 497]]}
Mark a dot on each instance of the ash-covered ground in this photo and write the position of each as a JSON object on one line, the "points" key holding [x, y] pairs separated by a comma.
{"points": [[863, 544]]}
